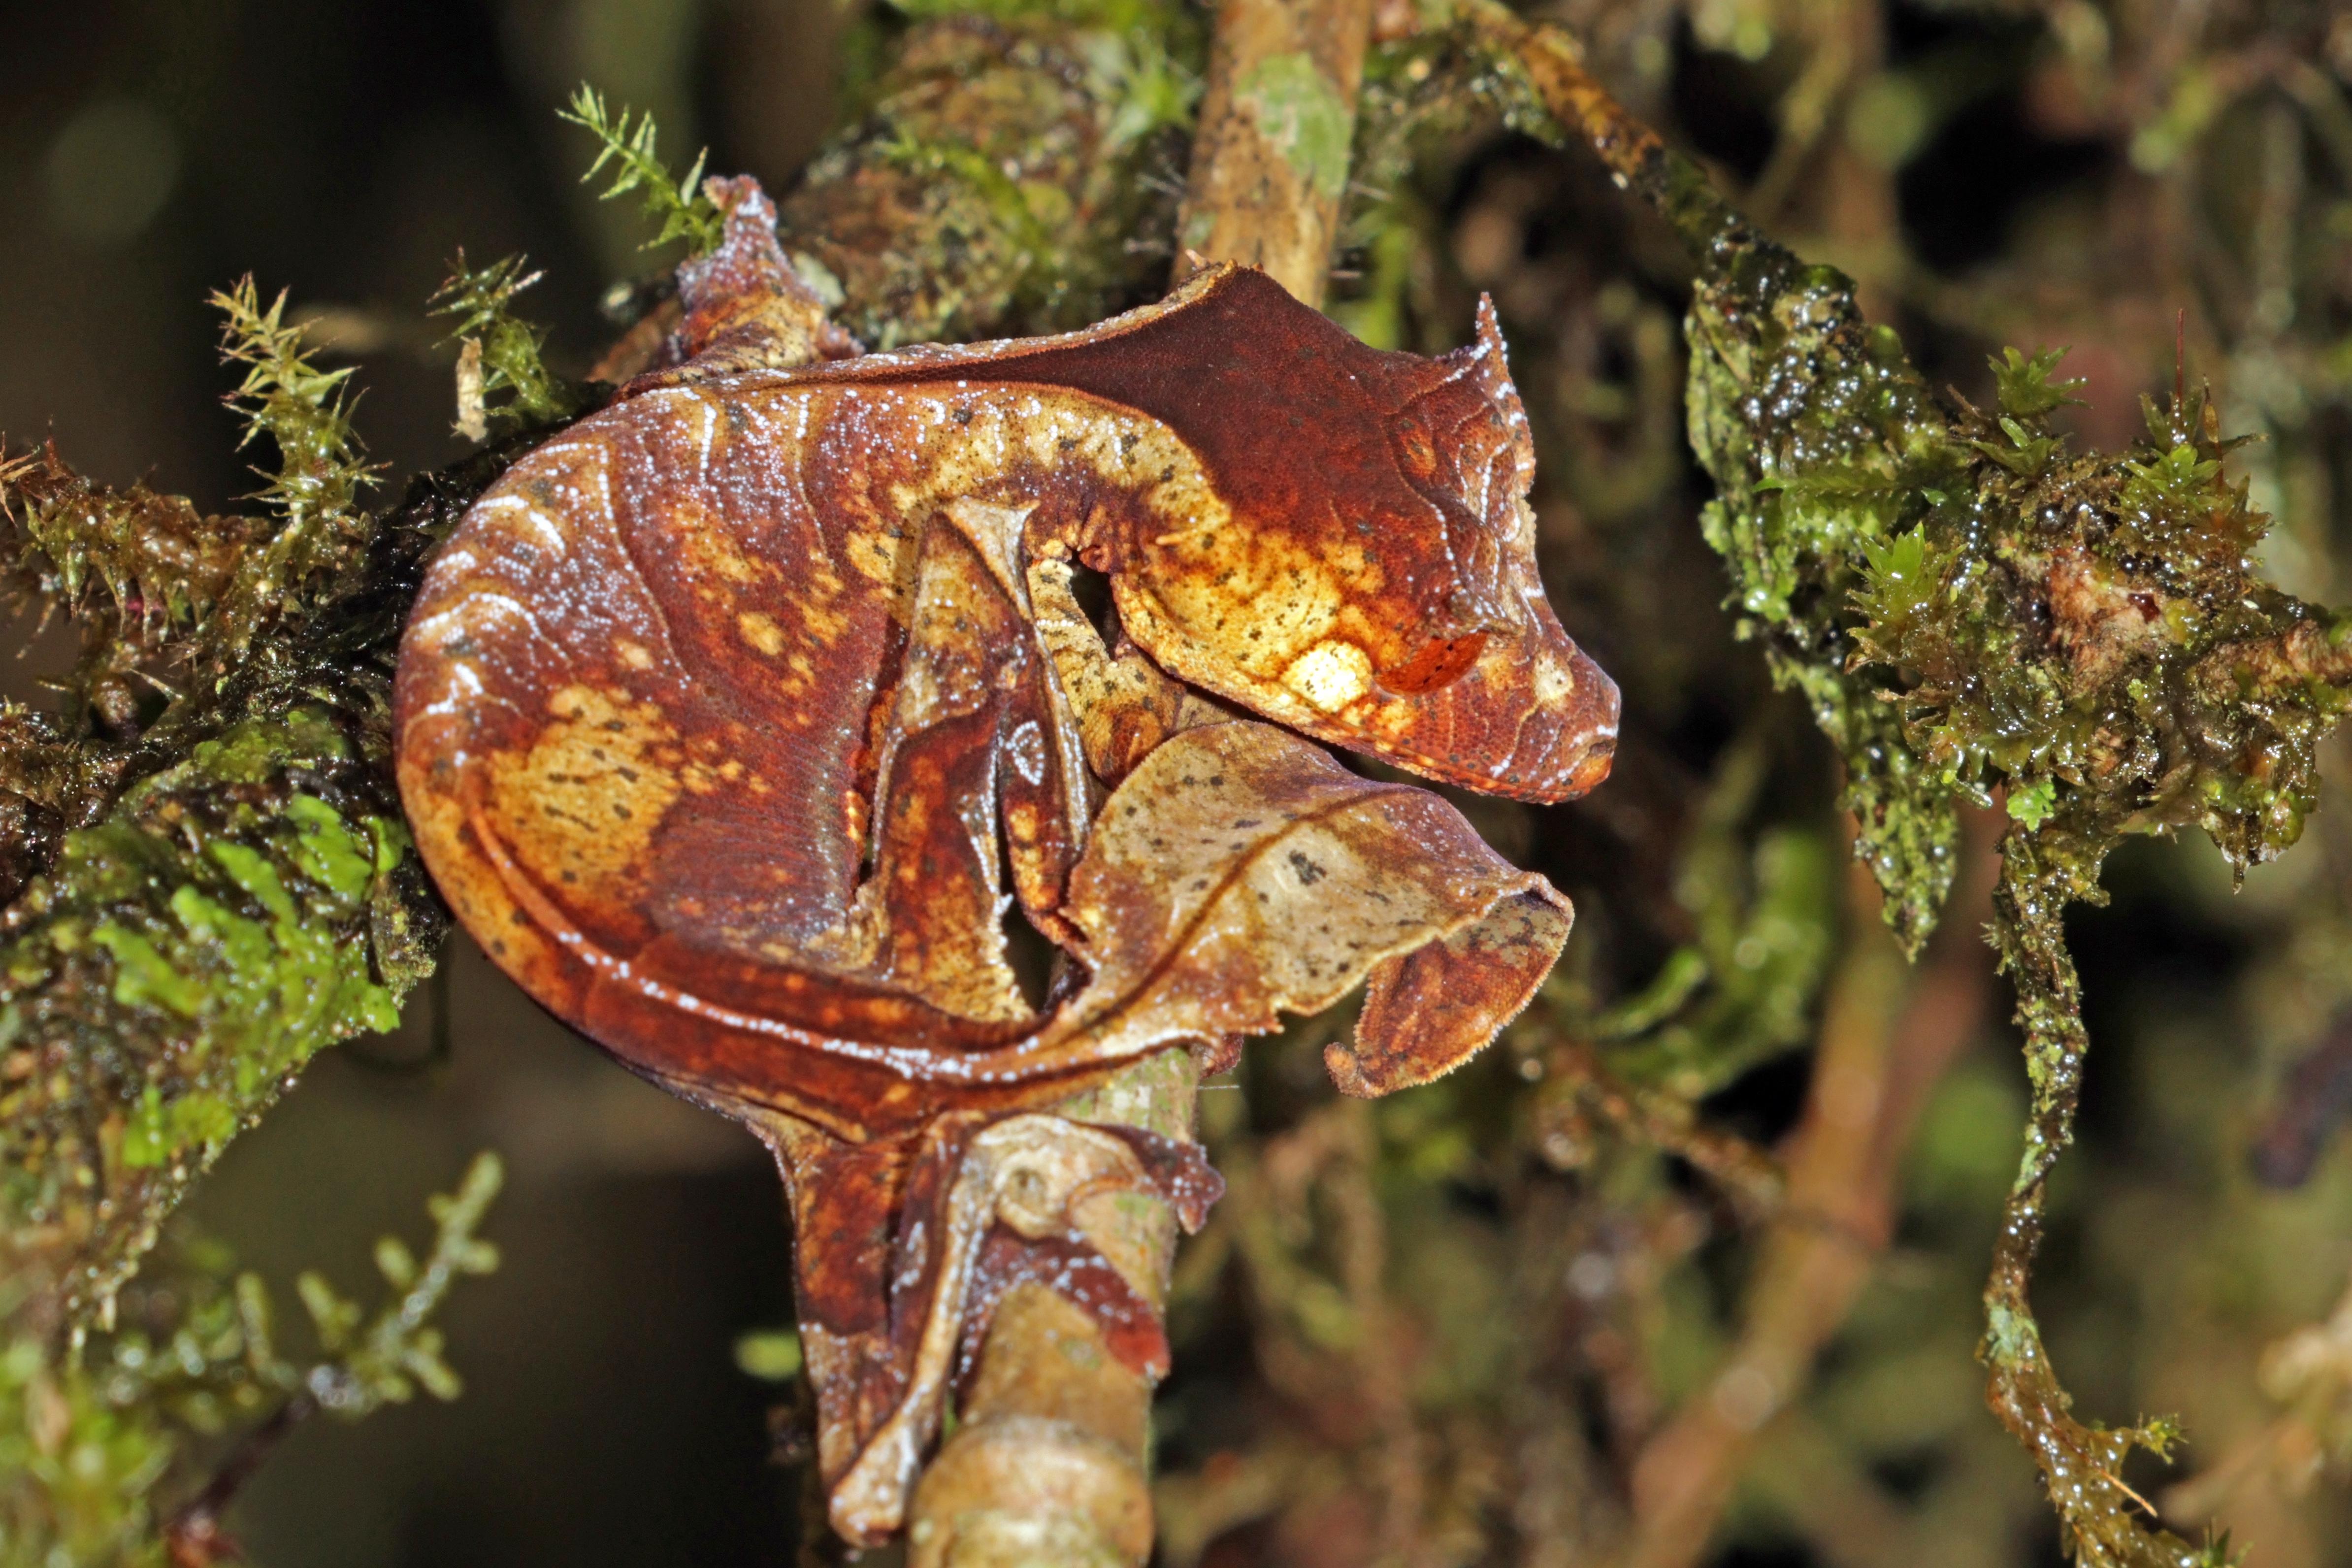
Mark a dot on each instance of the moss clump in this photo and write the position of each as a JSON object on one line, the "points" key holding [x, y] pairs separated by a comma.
{"points": [[209, 875], [2086, 631], [183, 957], [1016, 172], [313, 489], [222, 908], [1825, 447], [146, 568]]}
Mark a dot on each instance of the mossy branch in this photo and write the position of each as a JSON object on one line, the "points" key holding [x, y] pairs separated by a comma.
{"points": [[1971, 611], [209, 888]]}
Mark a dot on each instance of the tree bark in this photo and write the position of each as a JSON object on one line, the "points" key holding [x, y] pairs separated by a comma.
{"points": [[1277, 124]]}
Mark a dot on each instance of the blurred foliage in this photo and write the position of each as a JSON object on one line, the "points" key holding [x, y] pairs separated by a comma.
{"points": [[94, 1448], [1763, 913]]}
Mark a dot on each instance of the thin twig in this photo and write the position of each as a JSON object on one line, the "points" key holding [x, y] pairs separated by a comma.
{"points": [[193, 1537]]}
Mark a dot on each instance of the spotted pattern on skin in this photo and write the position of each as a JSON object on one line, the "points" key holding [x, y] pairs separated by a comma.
{"points": [[580, 808]]}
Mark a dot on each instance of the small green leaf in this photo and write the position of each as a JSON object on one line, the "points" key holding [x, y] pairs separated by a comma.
{"points": [[2024, 387], [2033, 804]]}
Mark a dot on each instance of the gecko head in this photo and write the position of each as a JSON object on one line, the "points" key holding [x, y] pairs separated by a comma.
{"points": [[1375, 585]]}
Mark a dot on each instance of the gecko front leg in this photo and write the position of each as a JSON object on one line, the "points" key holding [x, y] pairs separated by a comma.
{"points": [[1124, 704]]}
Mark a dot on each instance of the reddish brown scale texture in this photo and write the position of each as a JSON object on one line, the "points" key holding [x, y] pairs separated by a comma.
{"points": [[646, 680], [730, 719], [1402, 478]]}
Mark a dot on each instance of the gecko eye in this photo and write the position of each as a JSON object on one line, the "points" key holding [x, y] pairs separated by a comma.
{"points": [[1416, 449]]}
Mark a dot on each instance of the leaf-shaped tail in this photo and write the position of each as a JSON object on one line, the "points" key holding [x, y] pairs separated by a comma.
{"points": [[976, 1210], [1429, 1011], [1240, 873]]}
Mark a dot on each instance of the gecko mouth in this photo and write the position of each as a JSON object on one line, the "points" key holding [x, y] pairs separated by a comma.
{"points": [[1591, 768]]}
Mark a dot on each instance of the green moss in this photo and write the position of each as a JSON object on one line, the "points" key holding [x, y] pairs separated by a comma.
{"points": [[82, 1470], [314, 488], [138, 571], [633, 151], [221, 914], [1024, 211], [2024, 385], [236, 891], [1825, 449], [517, 390], [1015, 170]]}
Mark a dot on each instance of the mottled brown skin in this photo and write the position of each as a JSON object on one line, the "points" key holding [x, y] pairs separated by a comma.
{"points": [[706, 709], [734, 717]]}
